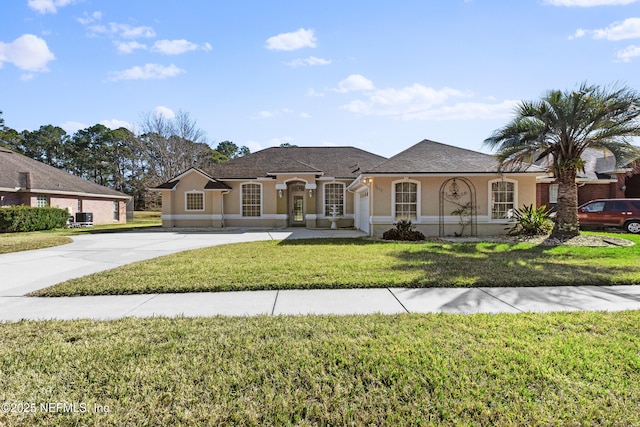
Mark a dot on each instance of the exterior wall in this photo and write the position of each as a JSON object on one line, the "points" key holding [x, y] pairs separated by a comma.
{"points": [[428, 215], [101, 208], [174, 204], [586, 191], [347, 219]]}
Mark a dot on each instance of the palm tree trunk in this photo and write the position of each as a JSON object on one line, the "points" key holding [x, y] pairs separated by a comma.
{"points": [[567, 215]]}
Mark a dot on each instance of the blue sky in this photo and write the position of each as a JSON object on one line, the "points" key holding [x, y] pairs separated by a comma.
{"points": [[377, 75]]}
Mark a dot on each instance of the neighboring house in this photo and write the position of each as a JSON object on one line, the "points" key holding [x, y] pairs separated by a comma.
{"points": [[24, 181], [601, 179], [443, 190]]}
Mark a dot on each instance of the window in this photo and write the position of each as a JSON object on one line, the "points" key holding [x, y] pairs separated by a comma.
{"points": [[553, 193], [251, 195], [116, 211], [79, 205], [194, 201], [503, 199], [333, 196], [594, 207], [406, 200], [42, 200]]}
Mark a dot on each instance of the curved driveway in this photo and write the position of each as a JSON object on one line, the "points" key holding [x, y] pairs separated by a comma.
{"points": [[24, 272]]}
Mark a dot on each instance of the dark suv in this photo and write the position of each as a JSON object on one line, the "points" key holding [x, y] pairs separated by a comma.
{"points": [[622, 213]]}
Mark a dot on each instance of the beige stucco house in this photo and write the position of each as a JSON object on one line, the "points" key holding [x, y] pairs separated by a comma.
{"points": [[443, 190]]}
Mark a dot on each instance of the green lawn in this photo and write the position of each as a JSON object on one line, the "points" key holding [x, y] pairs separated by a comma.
{"points": [[16, 242], [498, 370], [361, 263]]}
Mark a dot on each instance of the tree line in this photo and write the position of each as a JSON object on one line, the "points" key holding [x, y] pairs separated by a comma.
{"points": [[121, 159]]}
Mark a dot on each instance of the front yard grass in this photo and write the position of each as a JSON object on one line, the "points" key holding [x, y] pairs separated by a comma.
{"points": [[409, 369], [16, 242], [361, 263]]}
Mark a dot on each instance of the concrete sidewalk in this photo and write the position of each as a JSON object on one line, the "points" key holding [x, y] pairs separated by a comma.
{"points": [[330, 301], [24, 272]]}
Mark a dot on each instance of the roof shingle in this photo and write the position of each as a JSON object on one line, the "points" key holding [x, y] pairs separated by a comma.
{"points": [[20, 173]]}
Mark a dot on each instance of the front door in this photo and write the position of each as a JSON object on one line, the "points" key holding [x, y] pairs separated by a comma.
{"points": [[297, 205]]}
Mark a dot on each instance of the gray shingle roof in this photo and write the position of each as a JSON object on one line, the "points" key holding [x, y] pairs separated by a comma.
{"points": [[339, 162], [434, 157], [18, 172]]}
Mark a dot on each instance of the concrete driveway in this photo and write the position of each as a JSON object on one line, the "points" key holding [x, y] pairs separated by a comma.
{"points": [[24, 272]]}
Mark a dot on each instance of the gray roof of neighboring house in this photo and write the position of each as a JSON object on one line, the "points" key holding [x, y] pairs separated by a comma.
{"points": [[598, 164], [338, 162], [434, 157], [20, 173]]}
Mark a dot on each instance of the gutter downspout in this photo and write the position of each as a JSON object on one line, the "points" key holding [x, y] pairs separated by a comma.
{"points": [[222, 208]]}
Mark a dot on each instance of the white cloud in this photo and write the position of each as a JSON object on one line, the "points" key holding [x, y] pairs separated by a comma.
{"points": [[165, 112], [466, 111], [397, 102], [88, 19], [418, 102], [628, 53], [27, 52], [253, 146], [48, 6], [292, 41], [270, 114], [124, 31], [129, 47], [177, 47], [117, 124], [578, 34], [273, 142], [305, 115], [72, 127], [148, 72], [26, 77], [309, 62], [312, 92], [355, 82], [627, 29], [589, 3]]}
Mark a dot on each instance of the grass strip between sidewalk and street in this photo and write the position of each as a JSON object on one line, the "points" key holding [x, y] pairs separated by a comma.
{"points": [[363, 263], [439, 369]]}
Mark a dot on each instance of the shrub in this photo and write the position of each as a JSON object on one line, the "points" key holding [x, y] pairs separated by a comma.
{"points": [[403, 230], [531, 221], [25, 218]]}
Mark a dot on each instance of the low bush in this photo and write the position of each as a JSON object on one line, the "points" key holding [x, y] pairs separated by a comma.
{"points": [[531, 221], [403, 230], [25, 218]]}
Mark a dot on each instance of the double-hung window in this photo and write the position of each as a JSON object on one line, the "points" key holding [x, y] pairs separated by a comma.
{"points": [[333, 196], [406, 201], [251, 199], [503, 199]]}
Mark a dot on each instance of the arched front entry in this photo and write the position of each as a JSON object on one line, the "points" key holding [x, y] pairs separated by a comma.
{"points": [[458, 199]]}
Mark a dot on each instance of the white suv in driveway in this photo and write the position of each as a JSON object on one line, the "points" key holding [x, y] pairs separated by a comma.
{"points": [[621, 213]]}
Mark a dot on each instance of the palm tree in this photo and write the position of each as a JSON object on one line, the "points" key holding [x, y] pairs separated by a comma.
{"points": [[560, 126]]}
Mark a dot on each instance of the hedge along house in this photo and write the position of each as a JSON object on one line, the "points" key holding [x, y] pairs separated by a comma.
{"points": [[443, 190], [24, 181]]}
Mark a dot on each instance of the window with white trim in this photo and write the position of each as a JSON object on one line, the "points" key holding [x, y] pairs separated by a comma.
{"points": [[333, 196], [194, 201], [116, 210], [42, 200], [251, 199], [553, 193], [406, 201], [503, 198]]}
